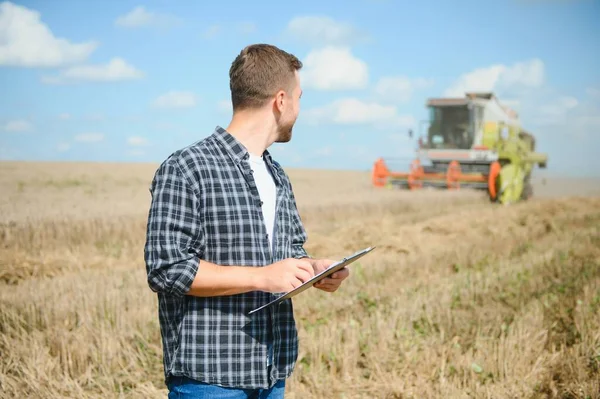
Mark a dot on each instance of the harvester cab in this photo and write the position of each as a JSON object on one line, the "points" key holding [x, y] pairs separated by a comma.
{"points": [[471, 142]]}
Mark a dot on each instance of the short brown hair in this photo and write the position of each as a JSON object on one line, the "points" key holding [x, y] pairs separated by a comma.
{"points": [[258, 72]]}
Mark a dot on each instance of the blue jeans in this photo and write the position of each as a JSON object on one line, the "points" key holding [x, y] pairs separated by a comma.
{"points": [[186, 388]]}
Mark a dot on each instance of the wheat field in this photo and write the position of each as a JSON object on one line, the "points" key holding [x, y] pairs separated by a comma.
{"points": [[460, 299]]}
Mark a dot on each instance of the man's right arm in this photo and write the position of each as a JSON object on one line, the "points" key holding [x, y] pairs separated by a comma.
{"points": [[174, 249], [174, 235], [283, 276]]}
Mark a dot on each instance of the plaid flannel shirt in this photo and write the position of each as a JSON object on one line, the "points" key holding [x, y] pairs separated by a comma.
{"points": [[206, 206]]}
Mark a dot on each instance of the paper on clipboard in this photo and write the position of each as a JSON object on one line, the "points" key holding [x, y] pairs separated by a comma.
{"points": [[318, 277]]}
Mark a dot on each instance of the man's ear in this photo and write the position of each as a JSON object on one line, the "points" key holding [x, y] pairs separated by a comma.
{"points": [[280, 99]]}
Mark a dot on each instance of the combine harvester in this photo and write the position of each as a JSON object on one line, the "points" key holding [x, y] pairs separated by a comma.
{"points": [[472, 142]]}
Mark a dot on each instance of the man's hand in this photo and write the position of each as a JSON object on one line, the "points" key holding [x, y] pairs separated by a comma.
{"points": [[333, 282], [285, 275]]}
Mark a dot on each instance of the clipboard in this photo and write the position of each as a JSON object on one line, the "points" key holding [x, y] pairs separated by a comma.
{"points": [[315, 279]]}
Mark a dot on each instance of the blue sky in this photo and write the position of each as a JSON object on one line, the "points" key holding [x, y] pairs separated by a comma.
{"points": [[136, 80]]}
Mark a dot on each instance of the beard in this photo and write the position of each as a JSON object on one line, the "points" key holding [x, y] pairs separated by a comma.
{"points": [[284, 133]]}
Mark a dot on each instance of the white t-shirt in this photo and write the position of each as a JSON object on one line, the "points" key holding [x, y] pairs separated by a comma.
{"points": [[268, 195], [268, 192]]}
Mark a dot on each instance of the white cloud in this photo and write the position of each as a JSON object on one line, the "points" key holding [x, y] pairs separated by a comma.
{"points": [[62, 147], [482, 79], [117, 69], [555, 110], [140, 17], [558, 116], [351, 111], [176, 99], [135, 18], [25, 41], [499, 77], [565, 124], [89, 137], [64, 116], [399, 88], [334, 68], [17, 126], [320, 30], [527, 73], [137, 141]]}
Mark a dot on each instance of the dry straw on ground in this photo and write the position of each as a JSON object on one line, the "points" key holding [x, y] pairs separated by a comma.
{"points": [[461, 298]]}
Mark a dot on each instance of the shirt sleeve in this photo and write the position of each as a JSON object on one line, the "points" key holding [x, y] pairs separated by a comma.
{"points": [[172, 252], [298, 231]]}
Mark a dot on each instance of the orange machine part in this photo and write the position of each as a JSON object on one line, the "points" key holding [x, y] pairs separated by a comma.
{"points": [[494, 172], [453, 175], [380, 173], [416, 176], [416, 173]]}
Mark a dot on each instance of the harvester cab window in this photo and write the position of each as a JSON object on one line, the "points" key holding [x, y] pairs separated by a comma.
{"points": [[451, 128]]}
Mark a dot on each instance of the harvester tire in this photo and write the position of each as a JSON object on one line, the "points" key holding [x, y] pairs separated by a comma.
{"points": [[527, 188]]}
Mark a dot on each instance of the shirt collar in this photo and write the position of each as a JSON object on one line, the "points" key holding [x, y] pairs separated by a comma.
{"points": [[234, 148], [238, 152]]}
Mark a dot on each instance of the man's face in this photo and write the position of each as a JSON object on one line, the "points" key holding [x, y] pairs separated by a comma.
{"points": [[290, 112]]}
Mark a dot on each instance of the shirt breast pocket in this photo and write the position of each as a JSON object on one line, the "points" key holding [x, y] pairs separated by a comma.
{"points": [[228, 221]]}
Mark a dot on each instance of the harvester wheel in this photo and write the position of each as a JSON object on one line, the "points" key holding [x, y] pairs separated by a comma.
{"points": [[527, 188], [416, 172], [453, 175]]}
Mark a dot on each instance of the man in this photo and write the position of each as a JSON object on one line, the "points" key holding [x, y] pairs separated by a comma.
{"points": [[224, 236]]}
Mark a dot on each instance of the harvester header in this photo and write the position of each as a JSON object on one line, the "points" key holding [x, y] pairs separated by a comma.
{"points": [[472, 141]]}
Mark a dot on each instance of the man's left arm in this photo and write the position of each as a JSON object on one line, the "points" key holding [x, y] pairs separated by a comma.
{"points": [[299, 235]]}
